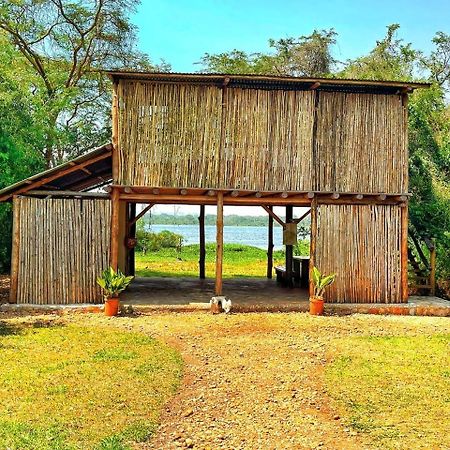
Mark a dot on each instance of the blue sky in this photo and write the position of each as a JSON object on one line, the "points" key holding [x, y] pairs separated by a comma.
{"points": [[181, 31]]}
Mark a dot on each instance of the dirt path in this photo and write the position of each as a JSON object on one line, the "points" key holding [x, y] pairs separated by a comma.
{"points": [[253, 381]]}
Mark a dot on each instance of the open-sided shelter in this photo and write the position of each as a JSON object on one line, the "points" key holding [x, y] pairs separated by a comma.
{"points": [[337, 146]]}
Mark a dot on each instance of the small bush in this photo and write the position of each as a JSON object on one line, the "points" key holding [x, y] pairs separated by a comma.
{"points": [[148, 241]]}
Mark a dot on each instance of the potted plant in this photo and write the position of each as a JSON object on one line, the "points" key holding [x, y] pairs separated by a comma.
{"points": [[113, 283], [320, 283]]}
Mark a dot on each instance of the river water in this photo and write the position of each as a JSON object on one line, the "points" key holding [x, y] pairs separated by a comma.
{"points": [[255, 236]]}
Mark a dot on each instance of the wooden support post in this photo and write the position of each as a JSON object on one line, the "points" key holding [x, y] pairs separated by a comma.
{"points": [[219, 244], [132, 234], [270, 246], [201, 224], [15, 251], [404, 253], [289, 250], [114, 251], [433, 269], [312, 245]]}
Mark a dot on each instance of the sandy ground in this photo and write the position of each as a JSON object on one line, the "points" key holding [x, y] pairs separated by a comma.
{"points": [[254, 381]]}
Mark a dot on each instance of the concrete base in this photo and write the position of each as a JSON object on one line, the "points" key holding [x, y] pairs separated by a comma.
{"points": [[247, 294]]}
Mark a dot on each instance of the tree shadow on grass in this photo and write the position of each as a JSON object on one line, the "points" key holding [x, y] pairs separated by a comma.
{"points": [[10, 329]]}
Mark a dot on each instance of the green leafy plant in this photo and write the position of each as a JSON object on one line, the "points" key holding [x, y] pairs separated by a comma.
{"points": [[321, 281], [113, 283]]}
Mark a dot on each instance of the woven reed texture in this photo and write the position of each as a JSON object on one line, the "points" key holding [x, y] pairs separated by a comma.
{"points": [[361, 143], [362, 245], [169, 135], [182, 135], [268, 140], [64, 246]]}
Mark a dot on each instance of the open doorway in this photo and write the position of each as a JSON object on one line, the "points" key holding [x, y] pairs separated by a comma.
{"points": [[173, 254]]}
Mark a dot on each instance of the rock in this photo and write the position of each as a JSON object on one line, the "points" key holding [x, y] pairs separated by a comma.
{"points": [[189, 443], [188, 412], [336, 417]]}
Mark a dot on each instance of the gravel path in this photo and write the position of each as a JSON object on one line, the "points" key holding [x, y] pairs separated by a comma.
{"points": [[253, 381]]}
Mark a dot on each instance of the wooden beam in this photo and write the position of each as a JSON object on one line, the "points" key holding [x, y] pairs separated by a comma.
{"points": [[60, 193], [141, 214], [132, 234], [202, 258], [270, 245], [314, 86], [289, 250], [15, 251], [302, 217], [404, 253], [433, 270], [114, 251], [219, 244], [312, 246], [269, 211], [56, 175]]}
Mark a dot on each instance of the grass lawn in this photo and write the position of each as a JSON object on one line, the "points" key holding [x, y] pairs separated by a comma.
{"points": [[395, 389], [81, 387], [239, 261]]}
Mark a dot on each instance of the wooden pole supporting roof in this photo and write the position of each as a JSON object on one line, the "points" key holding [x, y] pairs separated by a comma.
{"points": [[219, 245]]}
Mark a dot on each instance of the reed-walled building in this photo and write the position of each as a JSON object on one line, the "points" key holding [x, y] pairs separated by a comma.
{"points": [[339, 147]]}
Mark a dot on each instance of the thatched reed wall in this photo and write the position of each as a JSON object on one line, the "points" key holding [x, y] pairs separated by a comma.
{"points": [[185, 135], [361, 143], [63, 246], [362, 245]]}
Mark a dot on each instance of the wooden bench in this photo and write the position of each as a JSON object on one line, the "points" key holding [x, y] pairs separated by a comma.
{"points": [[281, 272]]}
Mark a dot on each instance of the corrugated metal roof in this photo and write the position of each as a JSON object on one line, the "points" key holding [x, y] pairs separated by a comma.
{"points": [[76, 180], [270, 81]]}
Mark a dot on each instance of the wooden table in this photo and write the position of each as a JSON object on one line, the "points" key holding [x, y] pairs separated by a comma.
{"points": [[301, 270]]}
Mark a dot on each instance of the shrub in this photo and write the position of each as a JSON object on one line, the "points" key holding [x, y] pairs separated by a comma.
{"points": [[149, 241]]}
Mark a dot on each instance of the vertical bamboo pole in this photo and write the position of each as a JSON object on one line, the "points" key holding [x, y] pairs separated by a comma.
{"points": [[114, 251], [115, 133], [404, 253], [270, 246], [219, 244], [433, 269], [15, 251], [312, 245], [289, 249], [201, 223]]}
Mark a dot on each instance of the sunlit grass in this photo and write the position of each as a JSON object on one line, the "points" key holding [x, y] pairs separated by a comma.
{"points": [[394, 389], [76, 387], [239, 261]]}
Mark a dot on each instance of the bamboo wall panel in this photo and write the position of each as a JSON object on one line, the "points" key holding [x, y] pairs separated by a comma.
{"points": [[361, 143], [64, 246], [362, 245], [268, 140], [169, 134]]}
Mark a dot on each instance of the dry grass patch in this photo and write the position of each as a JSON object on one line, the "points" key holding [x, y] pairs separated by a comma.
{"points": [[75, 386]]}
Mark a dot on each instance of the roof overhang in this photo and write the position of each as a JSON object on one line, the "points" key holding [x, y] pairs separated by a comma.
{"points": [[271, 82], [91, 170]]}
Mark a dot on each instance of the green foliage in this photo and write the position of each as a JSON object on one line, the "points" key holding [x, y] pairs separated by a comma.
{"points": [[113, 283], [321, 282], [149, 241], [304, 56]]}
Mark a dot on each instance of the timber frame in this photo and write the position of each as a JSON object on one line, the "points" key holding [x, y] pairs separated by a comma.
{"points": [[338, 147]]}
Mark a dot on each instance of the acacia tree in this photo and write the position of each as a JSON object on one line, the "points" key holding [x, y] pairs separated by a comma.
{"points": [[64, 44], [304, 56]]}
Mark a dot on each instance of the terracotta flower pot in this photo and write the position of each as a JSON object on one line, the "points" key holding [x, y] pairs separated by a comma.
{"points": [[316, 306], [111, 307]]}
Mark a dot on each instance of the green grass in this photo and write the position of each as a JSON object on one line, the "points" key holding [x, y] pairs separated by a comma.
{"points": [[80, 387], [395, 389], [239, 261]]}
